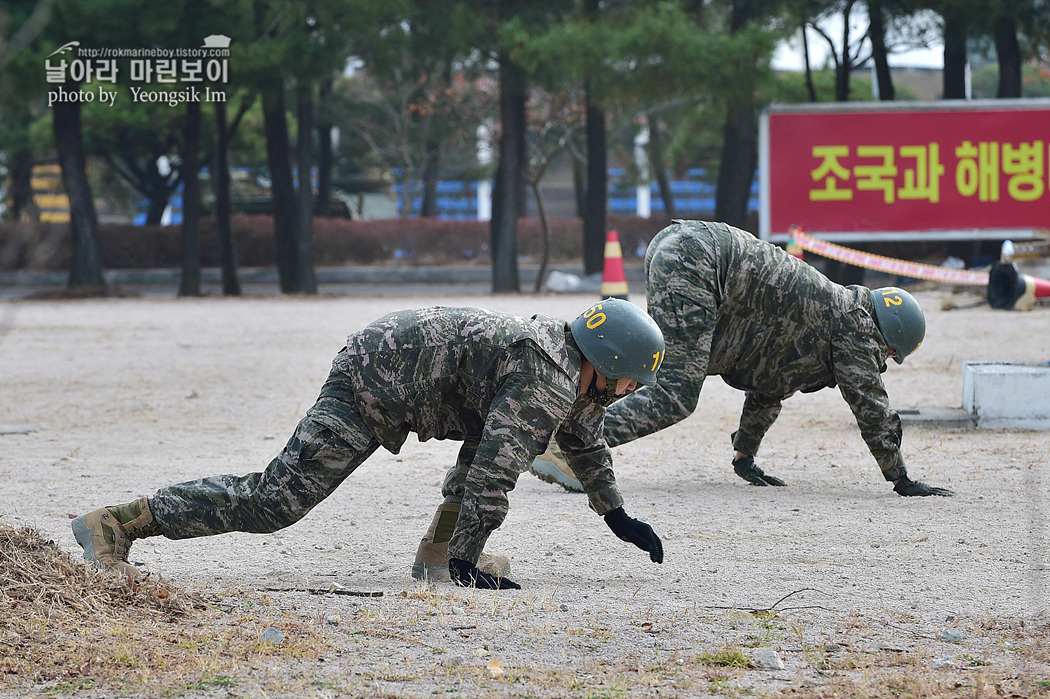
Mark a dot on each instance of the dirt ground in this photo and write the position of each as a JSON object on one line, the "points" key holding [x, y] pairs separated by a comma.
{"points": [[857, 590]]}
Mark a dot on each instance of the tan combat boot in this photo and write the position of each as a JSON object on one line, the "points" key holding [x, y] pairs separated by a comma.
{"points": [[432, 555], [550, 466], [106, 534]]}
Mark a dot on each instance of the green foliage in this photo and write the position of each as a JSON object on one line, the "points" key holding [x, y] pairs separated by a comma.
{"points": [[790, 88], [1035, 81], [428, 70], [730, 657], [656, 53]]}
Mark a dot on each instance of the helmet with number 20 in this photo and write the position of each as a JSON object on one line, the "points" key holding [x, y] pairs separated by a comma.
{"points": [[620, 340], [900, 319]]}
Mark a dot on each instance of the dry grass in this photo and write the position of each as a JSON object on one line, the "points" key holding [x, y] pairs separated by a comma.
{"points": [[68, 630]]}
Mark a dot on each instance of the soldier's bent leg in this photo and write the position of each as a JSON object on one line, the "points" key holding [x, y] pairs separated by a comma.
{"points": [[455, 479], [551, 467], [313, 463], [432, 554], [106, 534]]}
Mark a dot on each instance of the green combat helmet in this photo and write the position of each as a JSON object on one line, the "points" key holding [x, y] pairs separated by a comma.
{"points": [[900, 319], [620, 340]]}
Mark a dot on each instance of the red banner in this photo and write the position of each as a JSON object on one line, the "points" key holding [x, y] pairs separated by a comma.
{"points": [[907, 169]]}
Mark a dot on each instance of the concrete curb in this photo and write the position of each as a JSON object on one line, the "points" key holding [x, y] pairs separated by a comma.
{"points": [[374, 275], [956, 418]]}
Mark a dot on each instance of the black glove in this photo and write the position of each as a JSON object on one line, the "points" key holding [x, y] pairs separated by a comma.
{"points": [[636, 532], [467, 575], [907, 487], [746, 469]]}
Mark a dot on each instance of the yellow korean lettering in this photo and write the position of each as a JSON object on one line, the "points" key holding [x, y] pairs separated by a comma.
{"points": [[1024, 164], [829, 170], [881, 176], [978, 170], [923, 182]]}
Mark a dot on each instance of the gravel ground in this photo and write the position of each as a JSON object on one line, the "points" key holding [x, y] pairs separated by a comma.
{"points": [[105, 400]]}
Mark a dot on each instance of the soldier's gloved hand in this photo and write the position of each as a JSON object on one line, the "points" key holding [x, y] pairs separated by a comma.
{"points": [[467, 575], [909, 488], [746, 469], [636, 532]]}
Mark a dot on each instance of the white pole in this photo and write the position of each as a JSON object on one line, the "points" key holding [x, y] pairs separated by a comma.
{"points": [[484, 148], [643, 195], [484, 200]]}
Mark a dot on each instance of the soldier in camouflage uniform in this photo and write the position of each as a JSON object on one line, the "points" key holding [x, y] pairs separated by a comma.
{"points": [[770, 325], [504, 385]]}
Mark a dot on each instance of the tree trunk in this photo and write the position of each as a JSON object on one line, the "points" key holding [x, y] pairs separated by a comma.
{"points": [[597, 196], [877, 33], [522, 144], [282, 188], [431, 165], [304, 256], [21, 192], [656, 155], [810, 87], [739, 158], [504, 225], [86, 267], [579, 187], [158, 196], [231, 286], [1009, 54], [191, 246], [954, 57], [844, 66], [325, 154], [545, 225]]}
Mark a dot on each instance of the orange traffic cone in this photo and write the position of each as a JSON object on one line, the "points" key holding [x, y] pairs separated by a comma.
{"points": [[614, 280], [1009, 289]]}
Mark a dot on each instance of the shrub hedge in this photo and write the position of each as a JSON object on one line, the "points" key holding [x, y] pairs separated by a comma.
{"points": [[336, 242]]}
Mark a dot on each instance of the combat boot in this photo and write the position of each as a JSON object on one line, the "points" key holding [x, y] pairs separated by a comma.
{"points": [[106, 534], [432, 555], [550, 466]]}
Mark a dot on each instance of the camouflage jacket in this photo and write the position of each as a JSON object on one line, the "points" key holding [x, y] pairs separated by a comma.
{"points": [[456, 373], [768, 324]]}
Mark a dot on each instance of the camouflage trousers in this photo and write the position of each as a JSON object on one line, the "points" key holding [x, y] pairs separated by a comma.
{"points": [[313, 463]]}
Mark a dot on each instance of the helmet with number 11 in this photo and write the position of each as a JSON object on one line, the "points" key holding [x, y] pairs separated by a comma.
{"points": [[900, 320], [620, 340]]}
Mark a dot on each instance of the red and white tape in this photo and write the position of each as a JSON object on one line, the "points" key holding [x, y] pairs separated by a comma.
{"points": [[888, 265]]}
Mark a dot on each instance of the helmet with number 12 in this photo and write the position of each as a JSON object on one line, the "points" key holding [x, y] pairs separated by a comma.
{"points": [[900, 320]]}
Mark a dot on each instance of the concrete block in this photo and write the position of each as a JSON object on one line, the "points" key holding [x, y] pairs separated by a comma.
{"points": [[1007, 394], [943, 418]]}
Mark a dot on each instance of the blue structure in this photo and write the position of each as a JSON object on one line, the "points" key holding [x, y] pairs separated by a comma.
{"points": [[456, 200], [694, 196]]}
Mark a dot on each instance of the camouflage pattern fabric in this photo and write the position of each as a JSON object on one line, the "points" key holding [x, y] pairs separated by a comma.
{"points": [[768, 324], [309, 469], [504, 385]]}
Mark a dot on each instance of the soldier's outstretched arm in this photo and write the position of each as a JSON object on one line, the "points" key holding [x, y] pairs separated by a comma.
{"points": [[759, 413], [688, 328], [636, 532], [521, 419], [859, 378], [909, 488]]}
